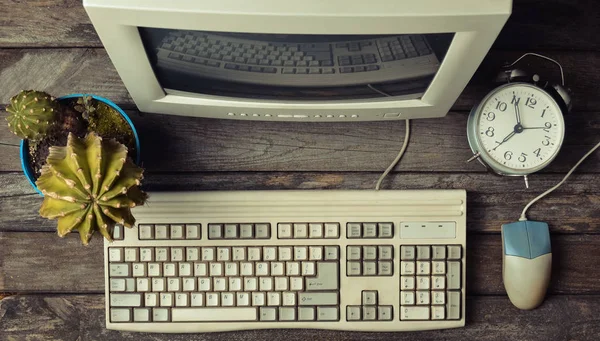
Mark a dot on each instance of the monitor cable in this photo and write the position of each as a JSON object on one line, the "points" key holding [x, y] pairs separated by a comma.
{"points": [[402, 150]]}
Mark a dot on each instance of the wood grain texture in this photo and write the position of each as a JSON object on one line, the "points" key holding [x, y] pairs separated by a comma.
{"points": [[491, 201], [65, 266], [188, 144], [82, 317], [89, 70], [47, 23], [534, 24]]}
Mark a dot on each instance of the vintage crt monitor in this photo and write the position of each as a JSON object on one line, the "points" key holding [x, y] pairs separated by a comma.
{"points": [[333, 60]]}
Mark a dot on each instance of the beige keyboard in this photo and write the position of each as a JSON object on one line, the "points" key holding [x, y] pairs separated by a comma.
{"points": [[346, 260]]}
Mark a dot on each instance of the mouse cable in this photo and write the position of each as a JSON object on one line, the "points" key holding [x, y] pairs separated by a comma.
{"points": [[402, 150], [523, 216]]}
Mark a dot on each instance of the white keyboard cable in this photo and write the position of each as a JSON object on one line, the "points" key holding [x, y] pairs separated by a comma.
{"points": [[402, 150], [523, 214]]}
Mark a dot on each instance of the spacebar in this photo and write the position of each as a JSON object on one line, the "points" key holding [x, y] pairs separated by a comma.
{"points": [[212, 314]]}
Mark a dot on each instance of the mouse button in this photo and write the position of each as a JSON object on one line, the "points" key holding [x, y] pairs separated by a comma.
{"points": [[539, 238], [515, 239]]}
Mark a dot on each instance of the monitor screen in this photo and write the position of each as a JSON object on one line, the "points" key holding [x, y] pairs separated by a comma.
{"points": [[293, 66]]}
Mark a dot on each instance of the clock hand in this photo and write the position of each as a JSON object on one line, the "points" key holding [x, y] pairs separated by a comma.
{"points": [[535, 127], [505, 139], [517, 113]]}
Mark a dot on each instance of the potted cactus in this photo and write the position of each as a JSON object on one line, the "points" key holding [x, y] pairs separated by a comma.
{"points": [[76, 151]]}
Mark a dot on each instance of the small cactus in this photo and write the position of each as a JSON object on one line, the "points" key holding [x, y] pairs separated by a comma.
{"points": [[90, 185], [31, 114]]}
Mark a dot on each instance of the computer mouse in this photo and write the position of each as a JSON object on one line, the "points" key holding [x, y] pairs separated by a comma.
{"points": [[526, 262]]}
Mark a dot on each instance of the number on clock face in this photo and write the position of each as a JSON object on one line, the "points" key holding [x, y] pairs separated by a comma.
{"points": [[520, 127]]}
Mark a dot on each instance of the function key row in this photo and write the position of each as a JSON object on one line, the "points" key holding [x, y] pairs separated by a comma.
{"points": [[169, 231], [308, 230], [239, 231], [369, 230]]}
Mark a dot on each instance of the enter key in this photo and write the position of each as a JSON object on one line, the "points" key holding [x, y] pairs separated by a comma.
{"points": [[327, 278]]}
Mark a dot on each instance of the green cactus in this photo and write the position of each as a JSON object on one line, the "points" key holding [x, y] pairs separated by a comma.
{"points": [[31, 114], [90, 185]]}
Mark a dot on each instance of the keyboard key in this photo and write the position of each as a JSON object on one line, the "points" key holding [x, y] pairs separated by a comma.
{"points": [[423, 252], [145, 231], [300, 253], [285, 253], [117, 284], [287, 314], [369, 313], [250, 284], [231, 231], [263, 231], [306, 314], [176, 231], [212, 299], [161, 232], [161, 254], [385, 268], [281, 283], [192, 254], [386, 252], [369, 252], [214, 314], [300, 230], [125, 300], [386, 230], [315, 230], [407, 283], [254, 254], [242, 299], [327, 314], [160, 314], [453, 275], [407, 298], [208, 254], [119, 270], [204, 284], [146, 254], [274, 299], [353, 313], [331, 252], [215, 231], [422, 297], [120, 315], [439, 252], [239, 253], [141, 315], [354, 268], [315, 253], [407, 252], [139, 269], [223, 254], [423, 268], [439, 267], [258, 299], [326, 279], [332, 230], [246, 231], [439, 282], [369, 297], [115, 254], [177, 254], [284, 230], [407, 268], [354, 230], [384, 313], [414, 313], [154, 269], [369, 230], [308, 268], [369, 268], [423, 282], [453, 305], [353, 253], [454, 252], [296, 283]]}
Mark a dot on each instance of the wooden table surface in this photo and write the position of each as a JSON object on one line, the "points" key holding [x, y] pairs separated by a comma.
{"points": [[53, 289]]}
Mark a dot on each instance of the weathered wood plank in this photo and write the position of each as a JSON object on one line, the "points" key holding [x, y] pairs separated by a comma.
{"points": [[89, 70], [187, 144], [491, 201], [82, 317], [63, 265], [49, 23], [562, 24]]}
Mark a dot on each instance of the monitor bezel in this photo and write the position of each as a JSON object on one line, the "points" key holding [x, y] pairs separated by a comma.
{"points": [[476, 28]]}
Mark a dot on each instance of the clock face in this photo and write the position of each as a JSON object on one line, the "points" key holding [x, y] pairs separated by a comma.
{"points": [[520, 127]]}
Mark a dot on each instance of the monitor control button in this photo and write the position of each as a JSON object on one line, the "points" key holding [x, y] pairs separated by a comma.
{"points": [[391, 114]]}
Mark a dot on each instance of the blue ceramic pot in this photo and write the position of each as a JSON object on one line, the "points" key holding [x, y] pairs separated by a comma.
{"points": [[25, 147]]}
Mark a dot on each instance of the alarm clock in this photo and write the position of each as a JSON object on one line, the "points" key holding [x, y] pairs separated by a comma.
{"points": [[518, 128]]}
